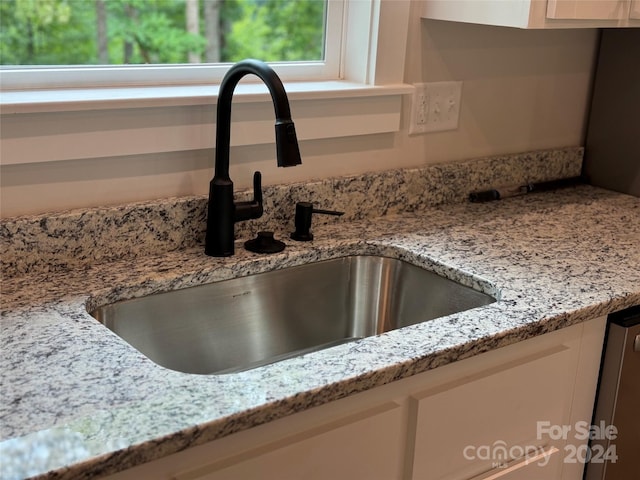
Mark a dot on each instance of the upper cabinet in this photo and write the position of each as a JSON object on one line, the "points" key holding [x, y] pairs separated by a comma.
{"points": [[537, 13]]}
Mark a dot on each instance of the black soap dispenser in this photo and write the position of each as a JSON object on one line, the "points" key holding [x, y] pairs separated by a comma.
{"points": [[304, 212]]}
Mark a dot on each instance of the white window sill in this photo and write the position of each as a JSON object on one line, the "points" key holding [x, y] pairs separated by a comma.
{"points": [[73, 124], [65, 100]]}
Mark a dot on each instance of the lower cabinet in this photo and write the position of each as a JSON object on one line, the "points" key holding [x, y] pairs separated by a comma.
{"points": [[492, 417], [510, 414], [363, 445]]}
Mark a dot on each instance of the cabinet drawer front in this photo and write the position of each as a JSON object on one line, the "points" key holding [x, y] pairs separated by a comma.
{"points": [[492, 419], [365, 445]]}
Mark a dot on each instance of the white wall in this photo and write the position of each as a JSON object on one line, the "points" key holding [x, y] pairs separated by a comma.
{"points": [[523, 90]]}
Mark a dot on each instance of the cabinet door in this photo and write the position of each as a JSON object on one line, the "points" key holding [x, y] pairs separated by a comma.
{"points": [[536, 13], [367, 445], [588, 9], [491, 420]]}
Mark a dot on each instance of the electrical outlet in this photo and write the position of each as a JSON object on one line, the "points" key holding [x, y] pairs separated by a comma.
{"points": [[435, 107]]}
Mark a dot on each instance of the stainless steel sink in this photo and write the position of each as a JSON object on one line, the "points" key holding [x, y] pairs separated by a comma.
{"points": [[246, 322]]}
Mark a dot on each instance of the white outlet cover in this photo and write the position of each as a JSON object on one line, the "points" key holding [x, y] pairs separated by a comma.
{"points": [[435, 107]]}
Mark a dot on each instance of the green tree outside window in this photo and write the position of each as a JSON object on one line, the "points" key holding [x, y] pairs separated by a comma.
{"points": [[116, 32]]}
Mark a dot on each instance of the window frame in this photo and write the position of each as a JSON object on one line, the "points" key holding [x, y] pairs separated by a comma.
{"points": [[51, 125]]}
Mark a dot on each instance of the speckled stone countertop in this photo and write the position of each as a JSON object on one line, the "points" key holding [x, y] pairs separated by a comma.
{"points": [[78, 402]]}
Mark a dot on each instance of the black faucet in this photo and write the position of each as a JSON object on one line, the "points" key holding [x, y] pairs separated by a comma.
{"points": [[222, 211]]}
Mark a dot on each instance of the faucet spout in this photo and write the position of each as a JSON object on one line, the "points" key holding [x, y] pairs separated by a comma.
{"points": [[223, 212]]}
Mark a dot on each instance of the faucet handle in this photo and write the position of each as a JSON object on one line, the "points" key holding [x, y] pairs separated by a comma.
{"points": [[304, 211], [252, 208], [257, 188]]}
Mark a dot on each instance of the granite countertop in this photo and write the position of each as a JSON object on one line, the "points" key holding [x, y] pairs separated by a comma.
{"points": [[76, 401]]}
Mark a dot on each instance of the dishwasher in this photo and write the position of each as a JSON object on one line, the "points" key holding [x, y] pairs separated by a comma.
{"points": [[615, 444]]}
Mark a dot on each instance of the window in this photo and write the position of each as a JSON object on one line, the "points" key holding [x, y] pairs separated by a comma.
{"points": [[72, 43], [356, 90]]}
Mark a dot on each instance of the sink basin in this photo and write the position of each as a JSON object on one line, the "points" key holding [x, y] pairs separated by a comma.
{"points": [[246, 322]]}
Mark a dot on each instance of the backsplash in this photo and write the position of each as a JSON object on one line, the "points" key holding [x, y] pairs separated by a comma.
{"points": [[79, 238]]}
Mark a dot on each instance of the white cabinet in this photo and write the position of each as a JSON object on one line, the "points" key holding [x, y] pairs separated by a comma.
{"points": [[588, 10], [498, 417], [335, 441], [364, 445], [488, 416], [492, 418], [536, 13]]}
